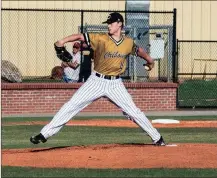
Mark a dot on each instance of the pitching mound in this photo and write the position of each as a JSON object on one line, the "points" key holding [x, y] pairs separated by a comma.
{"points": [[115, 156]]}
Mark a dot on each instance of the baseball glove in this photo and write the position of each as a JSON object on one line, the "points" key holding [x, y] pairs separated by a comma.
{"points": [[62, 53]]}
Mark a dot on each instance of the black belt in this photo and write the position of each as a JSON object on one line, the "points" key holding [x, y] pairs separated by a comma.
{"points": [[109, 77]]}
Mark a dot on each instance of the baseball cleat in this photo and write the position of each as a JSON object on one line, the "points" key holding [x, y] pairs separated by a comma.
{"points": [[160, 142], [37, 139]]}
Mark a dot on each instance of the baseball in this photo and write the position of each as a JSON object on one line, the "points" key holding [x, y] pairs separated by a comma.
{"points": [[147, 68]]}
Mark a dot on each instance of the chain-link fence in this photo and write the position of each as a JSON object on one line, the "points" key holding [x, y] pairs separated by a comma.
{"points": [[197, 73], [28, 36]]}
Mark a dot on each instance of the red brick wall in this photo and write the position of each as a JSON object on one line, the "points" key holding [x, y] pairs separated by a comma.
{"points": [[45, 98]]}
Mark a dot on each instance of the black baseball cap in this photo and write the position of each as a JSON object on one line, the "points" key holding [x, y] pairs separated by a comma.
{"points": [[114, 17]]}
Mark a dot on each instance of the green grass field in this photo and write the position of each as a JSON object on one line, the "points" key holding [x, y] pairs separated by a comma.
{"points": [[198, 93], [18, 137], [42, 172], [190, 118]]}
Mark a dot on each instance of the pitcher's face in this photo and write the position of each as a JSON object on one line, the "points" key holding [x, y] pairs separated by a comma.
{"points": [[114, 27]]}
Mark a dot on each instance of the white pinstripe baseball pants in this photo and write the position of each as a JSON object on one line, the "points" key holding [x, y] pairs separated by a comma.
{"points": [[91, 90]]}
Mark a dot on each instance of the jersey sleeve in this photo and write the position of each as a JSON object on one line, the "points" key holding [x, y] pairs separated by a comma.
{"points": [[91, 39]]}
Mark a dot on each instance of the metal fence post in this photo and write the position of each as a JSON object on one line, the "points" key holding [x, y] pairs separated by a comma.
{"points": [[81, 79], [177, 58], [82, 20], [174, 61]]}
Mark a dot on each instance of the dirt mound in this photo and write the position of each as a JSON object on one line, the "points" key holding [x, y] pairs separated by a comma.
{"points": [[115, 156]]}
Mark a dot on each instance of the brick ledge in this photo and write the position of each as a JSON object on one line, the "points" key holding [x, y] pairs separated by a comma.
{"points": [[27, 86]]}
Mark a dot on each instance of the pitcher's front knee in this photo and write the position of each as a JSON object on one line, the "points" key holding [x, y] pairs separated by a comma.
{"points": [[136, 113]]}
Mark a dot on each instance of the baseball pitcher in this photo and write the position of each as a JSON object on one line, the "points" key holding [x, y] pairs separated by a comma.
{"points": [[110, 54]]}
